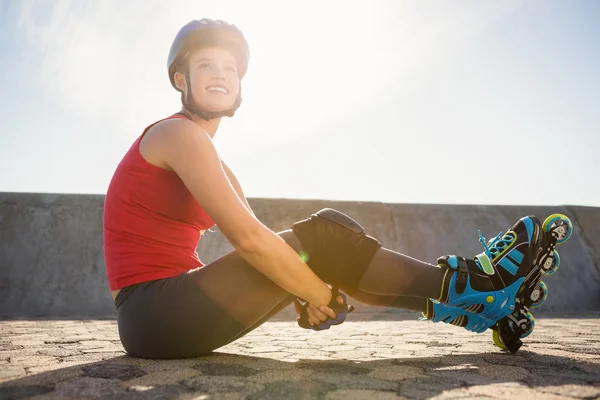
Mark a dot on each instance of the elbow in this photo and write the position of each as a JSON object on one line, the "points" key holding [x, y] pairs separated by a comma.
{"points": [[250, 242]]}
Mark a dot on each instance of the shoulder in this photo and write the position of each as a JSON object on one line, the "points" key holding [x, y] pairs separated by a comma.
{"points": [[174, 128], [170, 136]]}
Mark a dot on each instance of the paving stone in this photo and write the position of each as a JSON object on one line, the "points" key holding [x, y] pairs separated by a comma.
{"points": [[459, 393], [505, 372], [33, 361], [225, 370], [512, 391], [113, 371], [277, 355], [28, 343], [468, 377], [217, 384], [49, 376], [60, 341], [154, 393], [355, 355], [269, 364], [354, 342], [293, 390], [265, 349], [274, 375], [591, 368], [161, 378], [427, 388], [59, 352], [94, 344], [334, 367], [392, 354], [52, 396], [20, 392], [89, 388], [345, 381], [204, 396], [339, 348], [8, 372], [577, 391], [354, 359], [79, 338], [165, 366], [93, 357], [111, 348], [463, 359], [354, 394], [397, 373], [410, 346], [6, 346]]}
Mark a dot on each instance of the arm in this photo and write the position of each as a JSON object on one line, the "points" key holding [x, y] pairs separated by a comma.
{"points": [[189, 152]]}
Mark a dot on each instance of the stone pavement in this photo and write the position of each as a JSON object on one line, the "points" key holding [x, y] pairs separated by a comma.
{"points": [[76, 359]]}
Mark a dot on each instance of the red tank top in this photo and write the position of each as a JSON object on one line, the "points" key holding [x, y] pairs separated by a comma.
{"points": [[152, 223]]}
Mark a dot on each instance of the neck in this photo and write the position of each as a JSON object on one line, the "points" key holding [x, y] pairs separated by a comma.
{"points": [[209, 126]]}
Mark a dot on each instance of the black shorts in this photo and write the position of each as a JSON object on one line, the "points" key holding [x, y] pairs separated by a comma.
{"points": [[172, 318]]}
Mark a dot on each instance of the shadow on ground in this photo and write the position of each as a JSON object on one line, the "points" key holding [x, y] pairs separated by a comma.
{"points": [[224, 375]]}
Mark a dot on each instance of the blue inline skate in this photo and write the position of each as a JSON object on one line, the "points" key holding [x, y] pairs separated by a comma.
{"points": [[496, 288], [473, 322], [508, 332]]}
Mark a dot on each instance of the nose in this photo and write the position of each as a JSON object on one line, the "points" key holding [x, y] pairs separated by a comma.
{"points": [[218, 71]]}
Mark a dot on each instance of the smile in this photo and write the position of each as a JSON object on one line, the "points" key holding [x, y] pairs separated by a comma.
{"points": [[217, 89]]}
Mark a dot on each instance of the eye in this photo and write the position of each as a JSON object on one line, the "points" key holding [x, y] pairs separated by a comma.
{"points": [[203, 65], [231, 68]]}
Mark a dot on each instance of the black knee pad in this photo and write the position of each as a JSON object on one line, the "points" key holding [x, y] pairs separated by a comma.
{"points": [[336, 248]]}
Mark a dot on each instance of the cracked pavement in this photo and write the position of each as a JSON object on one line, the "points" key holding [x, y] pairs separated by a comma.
{"points": [[372, 359]]}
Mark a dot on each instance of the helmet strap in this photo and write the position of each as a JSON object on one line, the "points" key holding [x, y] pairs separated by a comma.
{"points": [[190, 107]]}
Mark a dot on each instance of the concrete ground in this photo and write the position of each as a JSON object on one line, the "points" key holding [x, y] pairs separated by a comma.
{"points": [[76, 359]]}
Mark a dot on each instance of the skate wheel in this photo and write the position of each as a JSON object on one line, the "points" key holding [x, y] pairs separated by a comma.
{"points": [[551, 263], [527, 324], [497, 341], [538, 295], [560, 226]]}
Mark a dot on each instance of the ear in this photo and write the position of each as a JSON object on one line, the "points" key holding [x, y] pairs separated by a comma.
{"points": [[179, 79]]}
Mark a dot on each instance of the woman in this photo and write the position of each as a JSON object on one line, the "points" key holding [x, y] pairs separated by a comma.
{"points": [[171, 186]]}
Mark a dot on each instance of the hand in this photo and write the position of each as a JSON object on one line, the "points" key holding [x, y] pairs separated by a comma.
{"points": [[322, 318], [316, 315]]}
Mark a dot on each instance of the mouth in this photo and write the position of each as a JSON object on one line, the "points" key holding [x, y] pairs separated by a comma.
{"points": [[217, 89]]}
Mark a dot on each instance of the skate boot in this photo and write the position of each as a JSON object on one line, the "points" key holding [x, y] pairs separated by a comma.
{"points": [[437, 312], [509, 331], [488, 284]]}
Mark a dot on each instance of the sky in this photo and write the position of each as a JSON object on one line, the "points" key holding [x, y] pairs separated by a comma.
{"points": [[468, 102]]}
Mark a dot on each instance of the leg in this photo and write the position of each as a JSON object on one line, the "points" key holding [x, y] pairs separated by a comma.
{"points": [[241, 290], [255, 299], [339, 252], [192, 314], [395, 274], [251, 298]]}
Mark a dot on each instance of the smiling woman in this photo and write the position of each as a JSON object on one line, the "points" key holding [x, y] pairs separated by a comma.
{"points": [[210, 94], [172, 185], [212, 55]]}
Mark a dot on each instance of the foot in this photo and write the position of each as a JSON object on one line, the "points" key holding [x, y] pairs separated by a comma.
{"points": [[437, 312], [488, 284]]}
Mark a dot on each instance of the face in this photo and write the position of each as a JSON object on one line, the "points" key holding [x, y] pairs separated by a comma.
{"points": [[213, 77]]}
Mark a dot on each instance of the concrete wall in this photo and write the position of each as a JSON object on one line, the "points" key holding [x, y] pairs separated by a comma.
{"points": [[52, 265]]}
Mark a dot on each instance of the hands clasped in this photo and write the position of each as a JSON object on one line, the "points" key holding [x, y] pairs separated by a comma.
{"points": [[323, 317]]}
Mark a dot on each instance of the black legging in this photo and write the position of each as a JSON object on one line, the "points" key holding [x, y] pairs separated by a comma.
{"points": [[194, 313]]}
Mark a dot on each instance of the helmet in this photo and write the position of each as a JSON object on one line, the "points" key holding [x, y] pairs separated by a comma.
{"points": [[208, 32]]}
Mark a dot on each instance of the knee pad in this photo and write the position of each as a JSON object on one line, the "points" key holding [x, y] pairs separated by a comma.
{"points": [[336, 248]]}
